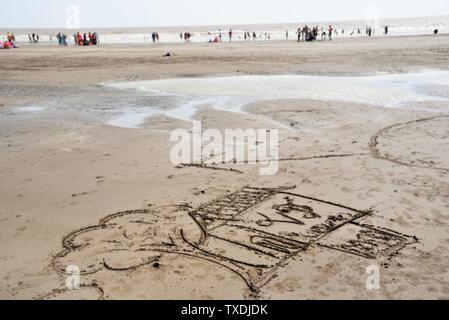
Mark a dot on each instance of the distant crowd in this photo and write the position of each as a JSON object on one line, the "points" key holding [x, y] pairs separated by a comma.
{"points": [[82, 40], [86, 39], [303, 34], [311, 34]]}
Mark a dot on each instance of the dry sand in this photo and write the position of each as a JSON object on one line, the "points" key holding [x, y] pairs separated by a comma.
{"points": [[62, 181]]}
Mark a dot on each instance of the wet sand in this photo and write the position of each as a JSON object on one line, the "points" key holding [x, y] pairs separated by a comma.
{"points": [[64, 176]]}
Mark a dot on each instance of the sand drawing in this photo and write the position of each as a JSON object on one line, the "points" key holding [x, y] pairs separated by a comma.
{"points": [[387, 142], [91, 292], [215, 167], [252, 232]]}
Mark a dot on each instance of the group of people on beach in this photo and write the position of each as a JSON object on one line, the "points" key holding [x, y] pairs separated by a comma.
{"points": [[62, 39], [155, 36], [33, 37], [86, 39], [186, 36], [246, 35], [9, 42], [311, 34], [304, 34]]}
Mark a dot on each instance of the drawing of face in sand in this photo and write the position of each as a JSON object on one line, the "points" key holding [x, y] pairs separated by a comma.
{"points": [[126, 241]]}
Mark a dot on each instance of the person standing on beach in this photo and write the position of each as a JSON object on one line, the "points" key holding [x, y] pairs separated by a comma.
{"points": [[29, 38], [330, 32], [230, 35], [286, 34], [386, 30], [155, 36], [94, 39]]}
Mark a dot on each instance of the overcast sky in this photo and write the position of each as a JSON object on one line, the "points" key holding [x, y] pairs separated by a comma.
{"points": [[141, 13]]}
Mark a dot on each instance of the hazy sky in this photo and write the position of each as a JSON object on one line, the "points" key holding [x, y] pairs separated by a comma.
{"points": [[140, 13]]}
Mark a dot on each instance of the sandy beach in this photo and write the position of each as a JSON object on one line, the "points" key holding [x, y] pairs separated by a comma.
{"points": [[76, 190]]}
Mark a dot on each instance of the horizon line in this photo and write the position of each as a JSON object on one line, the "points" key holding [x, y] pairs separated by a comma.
{"points": [[217, 25]]}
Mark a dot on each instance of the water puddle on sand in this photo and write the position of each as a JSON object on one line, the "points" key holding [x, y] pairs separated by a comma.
{"points": [[131, 104], [30, 109], [232, 93]]}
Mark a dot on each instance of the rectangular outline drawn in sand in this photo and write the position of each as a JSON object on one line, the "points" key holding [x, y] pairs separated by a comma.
{"points": [[256, 231]]}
